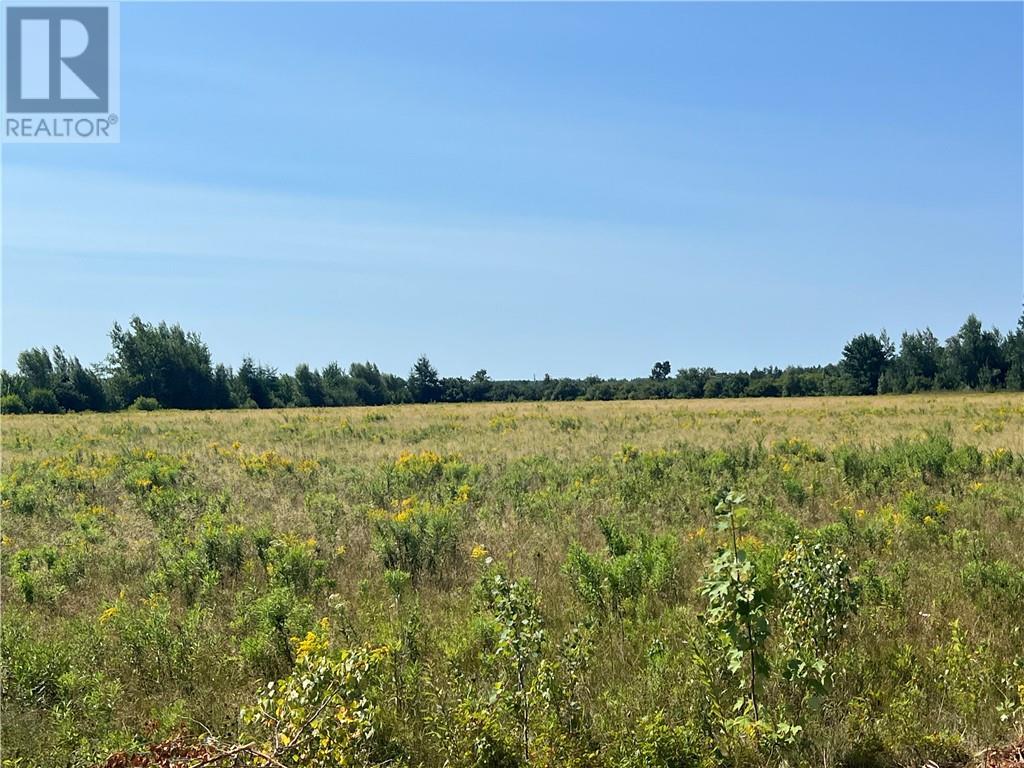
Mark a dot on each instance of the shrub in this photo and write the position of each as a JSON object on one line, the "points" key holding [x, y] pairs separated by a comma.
{"points": [[818, 599], [183, 569], [426, 474], [42, 401], [194, 564], [11, 404], [26, 494], [794, 489], [33, 666], [143, 403], [266, 624], [155, 643], [819, 594], [611, 583], [44, 573], [476, 737], [915, 505], [567, 423], [503, 422], [327, 712], [148, 471], [292, 562], [994, 583], [654, 743], [417, 537], [521, 634], [267, 462]]}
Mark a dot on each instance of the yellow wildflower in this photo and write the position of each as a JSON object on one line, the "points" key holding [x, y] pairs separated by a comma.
{"points": [[312, 641]]}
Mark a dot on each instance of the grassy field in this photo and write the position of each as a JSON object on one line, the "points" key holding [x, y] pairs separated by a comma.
{"points": [[500, 585]]}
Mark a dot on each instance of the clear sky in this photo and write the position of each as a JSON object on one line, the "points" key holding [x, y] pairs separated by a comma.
{"points": [[563, 188]]}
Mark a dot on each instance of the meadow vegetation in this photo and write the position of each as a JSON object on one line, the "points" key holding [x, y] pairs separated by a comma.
{"points": [[826, 581]]}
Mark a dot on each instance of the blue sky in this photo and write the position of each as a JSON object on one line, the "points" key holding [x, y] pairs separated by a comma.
{"points": [[563, 188]]}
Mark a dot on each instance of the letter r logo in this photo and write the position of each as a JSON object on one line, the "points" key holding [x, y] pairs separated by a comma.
{"points": [[57, 59]]}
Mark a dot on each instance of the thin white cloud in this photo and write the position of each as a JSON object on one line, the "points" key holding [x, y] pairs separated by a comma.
{"points": [[110, 215]]}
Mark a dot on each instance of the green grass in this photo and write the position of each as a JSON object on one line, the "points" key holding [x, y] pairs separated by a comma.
{"points": [[480, 585]]}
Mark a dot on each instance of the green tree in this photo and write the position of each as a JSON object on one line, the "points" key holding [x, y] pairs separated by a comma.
{"points": [[397, 389], [41, 400], [864, 359], [1013, 353], [737, 598], [223, 393], [918, 365], [76, 387], [516, 610], [311, 384], [974, 356], [11, 403], [338, 389], [424, 382], [691, 383], [455, 389], [257, 385], [661, 370], [35, 365], [368, 383], [479, 387], [163, 362]]}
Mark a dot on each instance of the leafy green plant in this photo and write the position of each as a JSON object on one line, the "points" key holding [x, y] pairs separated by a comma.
{"points": [[818, 598], [266, 625], [611, 583], [40, 400], [474, 736], [563, 733], [43, 574], [654, 742], [426, 474], [521, 634], [418, 537], [153, 643], [12, 405], [143, 403], [326, 712], [149, 471], [737, 602], [292, 562]]}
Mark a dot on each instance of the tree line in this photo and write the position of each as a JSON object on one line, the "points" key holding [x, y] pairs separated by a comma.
{"points": [[163, 366]]}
